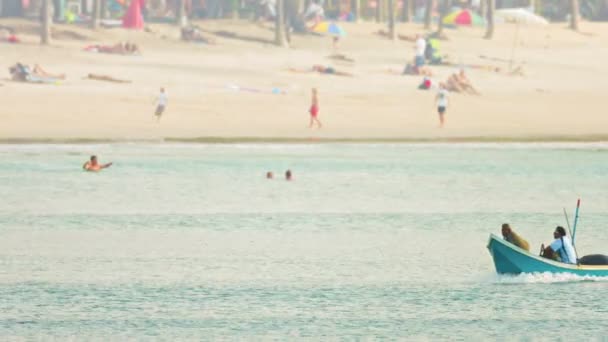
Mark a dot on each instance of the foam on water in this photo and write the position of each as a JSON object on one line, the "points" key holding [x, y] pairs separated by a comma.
{"points": [[544, 278]]}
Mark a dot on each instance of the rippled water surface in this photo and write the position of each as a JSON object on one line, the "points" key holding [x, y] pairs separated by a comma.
{"points": [[192, 242]]}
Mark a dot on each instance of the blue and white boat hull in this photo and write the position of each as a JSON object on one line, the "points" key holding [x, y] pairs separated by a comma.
{"points": [[510, 259]]}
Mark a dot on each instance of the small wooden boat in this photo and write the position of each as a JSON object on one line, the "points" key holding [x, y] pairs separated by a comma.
{"points": [[510, 259]]}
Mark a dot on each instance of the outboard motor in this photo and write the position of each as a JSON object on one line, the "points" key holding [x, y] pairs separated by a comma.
{"points": [[594, 259]]}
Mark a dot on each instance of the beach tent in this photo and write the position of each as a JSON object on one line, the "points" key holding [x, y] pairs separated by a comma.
{"points": [[464, 18], [329, 28], [134, 19]]}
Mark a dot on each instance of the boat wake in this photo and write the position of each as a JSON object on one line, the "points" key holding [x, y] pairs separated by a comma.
{"points": [[545, 278]]}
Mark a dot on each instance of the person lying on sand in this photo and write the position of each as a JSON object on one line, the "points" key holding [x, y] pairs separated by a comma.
{"points": [[399, 36], [518, 71], [93, 166], [322, 70], [38, 71], [23, 73], [341, 57], [194, 34], [117, 49], [426, 83], [7, 34], [106, 78], [412, 69]]}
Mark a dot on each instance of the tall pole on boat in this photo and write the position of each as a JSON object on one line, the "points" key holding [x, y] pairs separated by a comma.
{"points": [[570, 231], [578, 205], [568, 222]]}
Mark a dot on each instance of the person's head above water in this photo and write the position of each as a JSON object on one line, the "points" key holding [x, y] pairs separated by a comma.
{"points": [[506, 229], [559, 232], [93, 159], [288, 175], [269, 175]]}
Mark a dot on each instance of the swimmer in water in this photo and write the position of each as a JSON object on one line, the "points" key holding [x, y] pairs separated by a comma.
{"points": [[92, 165]]}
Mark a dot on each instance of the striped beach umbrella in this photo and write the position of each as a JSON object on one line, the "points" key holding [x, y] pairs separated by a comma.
{"points": [[464, 18], [329, 28]]}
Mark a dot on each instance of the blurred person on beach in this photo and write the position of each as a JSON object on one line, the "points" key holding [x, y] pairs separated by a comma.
{"points": [[420, 49], [334, 43], [269, 175], [161, 104], [466, 83], [314, 109], [426, 83], [265, 10], [460, 83], [288, 175], [324, 70], [413, 69], [93, 166], [442, 103], [314, 12]]}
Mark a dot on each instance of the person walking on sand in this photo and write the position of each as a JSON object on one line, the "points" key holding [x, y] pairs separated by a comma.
{"points": [[442, 103], [314, 109], [161, 104]]}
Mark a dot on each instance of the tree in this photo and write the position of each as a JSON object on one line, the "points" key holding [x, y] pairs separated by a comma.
{"points": [[407, 10], [574, 15], [490, 19], [181, 18], [235, 4], [444, 9], [104, 9], [96, 14], [45, 18], [279, 25], [428, 14], [357, 9], [391, 20]]}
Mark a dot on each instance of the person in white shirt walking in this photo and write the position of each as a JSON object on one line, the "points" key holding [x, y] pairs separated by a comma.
{"points": [[161, 104], [442, 103], [420, 48]]}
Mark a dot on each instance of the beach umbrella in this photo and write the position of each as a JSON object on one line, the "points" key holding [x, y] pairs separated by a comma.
{"points": [[329, 28], [464, 18], [520, 16]]}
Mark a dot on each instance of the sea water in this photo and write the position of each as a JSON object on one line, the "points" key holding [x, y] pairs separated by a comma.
{"points": [[192, 242]]}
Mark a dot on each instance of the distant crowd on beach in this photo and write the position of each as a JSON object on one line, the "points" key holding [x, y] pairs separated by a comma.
{"points": [[426, 54]]}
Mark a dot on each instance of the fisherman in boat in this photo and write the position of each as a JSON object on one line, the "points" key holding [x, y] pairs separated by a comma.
{"points": [[512, 237], [561, 248]]}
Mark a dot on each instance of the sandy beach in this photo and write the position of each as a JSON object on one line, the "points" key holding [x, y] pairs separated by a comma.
{"points": [[228, 91]]}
